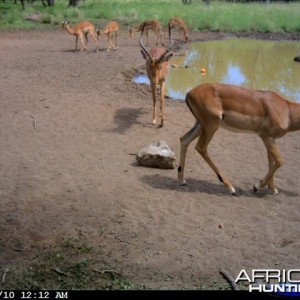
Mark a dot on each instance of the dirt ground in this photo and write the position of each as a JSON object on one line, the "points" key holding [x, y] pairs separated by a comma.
{"points": [[70, 126]]}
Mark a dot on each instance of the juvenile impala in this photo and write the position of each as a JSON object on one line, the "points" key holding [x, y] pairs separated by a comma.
{"points": [[157, 60], [153, 25], [183, 31], [264, 113], [81, 30], [111, 30]]}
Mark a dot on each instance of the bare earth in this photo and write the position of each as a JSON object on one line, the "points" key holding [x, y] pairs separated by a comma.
{"points": [[70, 126]]}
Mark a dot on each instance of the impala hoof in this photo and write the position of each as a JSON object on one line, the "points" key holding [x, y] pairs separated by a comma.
{"points": [[182, 182], [255, 188], [232, 191]]}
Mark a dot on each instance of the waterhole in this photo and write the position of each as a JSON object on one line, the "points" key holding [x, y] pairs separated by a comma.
{"points": [[257, 64]]}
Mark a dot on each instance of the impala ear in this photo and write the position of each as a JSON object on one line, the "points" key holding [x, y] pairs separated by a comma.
{"points": [[167, 57]]}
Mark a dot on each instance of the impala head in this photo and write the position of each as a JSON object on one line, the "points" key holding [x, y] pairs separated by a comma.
{"points": [[99, 31], [64, 23], [171, 23], [155, 61]]}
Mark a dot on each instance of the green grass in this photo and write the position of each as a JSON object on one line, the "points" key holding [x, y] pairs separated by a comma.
{"points": [[217, 16], [71, 265]]}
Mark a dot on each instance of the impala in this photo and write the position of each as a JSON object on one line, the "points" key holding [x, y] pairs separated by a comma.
{"points": [[111, 30], [81, 30], [264, 113], [175, 21], [157, 60], [153, 25]]}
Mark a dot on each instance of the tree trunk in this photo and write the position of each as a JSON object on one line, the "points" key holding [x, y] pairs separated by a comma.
{"points": [[74, 2], [48, 2]]}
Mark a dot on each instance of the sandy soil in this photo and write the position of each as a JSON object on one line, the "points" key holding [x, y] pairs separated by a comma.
{"points": [[70, 126]]}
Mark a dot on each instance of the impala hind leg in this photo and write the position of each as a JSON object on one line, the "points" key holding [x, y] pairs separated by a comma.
{"points": [[83, 43], [159, 38], [185, 140], [116, 40], [76, 42], [201, 147], [110, 43], [271, 184], [275, 162], [162, 100]]}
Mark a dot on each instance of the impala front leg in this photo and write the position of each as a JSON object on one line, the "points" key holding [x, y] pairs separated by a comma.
{"points": [[153, 88]]}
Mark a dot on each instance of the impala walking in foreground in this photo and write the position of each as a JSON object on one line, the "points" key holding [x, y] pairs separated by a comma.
{"points": [[157, 60], [81, 30], [111, 30], [183, 31], [264, 113], [153, 25]]}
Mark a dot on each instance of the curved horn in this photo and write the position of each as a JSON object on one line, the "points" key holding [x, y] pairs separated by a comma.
{"points": [[169, 47], [141, 42]]}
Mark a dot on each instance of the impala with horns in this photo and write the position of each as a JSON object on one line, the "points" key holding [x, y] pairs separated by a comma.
{"points": [[111, 30], [153, 25], [183, 31], [81, 30], [264, 113], [157, 60]]}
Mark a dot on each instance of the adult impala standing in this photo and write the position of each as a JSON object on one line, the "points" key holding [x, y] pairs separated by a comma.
{"points": [[81, 30], [111, 30], [157, 60]]}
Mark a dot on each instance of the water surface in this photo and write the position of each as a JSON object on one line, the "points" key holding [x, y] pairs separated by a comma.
{"points": [[251, 63]]}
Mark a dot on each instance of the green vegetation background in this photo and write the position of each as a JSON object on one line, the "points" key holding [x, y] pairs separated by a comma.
{"points": [[215, 16]]}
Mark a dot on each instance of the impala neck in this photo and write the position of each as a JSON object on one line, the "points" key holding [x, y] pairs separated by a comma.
{"points": [[294, 117], [70, 29]]}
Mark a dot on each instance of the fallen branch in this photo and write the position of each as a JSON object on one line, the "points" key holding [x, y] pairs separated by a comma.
{"points": [[107, 272], [4, 275], [59, 272], [230, 280]]}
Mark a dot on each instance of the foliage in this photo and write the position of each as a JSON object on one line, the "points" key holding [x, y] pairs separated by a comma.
{"points": [[72, 265], [215, 16]]}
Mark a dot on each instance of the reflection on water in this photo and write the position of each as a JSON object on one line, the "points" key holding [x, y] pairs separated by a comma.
{"points": [[252, 63]]}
